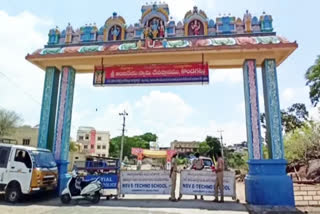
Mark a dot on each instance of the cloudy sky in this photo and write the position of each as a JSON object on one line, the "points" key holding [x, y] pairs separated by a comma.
{"points": [[175, 112]]}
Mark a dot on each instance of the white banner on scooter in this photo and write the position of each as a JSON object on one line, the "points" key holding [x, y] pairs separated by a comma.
{"points": [[194, 182], [145, 182]]}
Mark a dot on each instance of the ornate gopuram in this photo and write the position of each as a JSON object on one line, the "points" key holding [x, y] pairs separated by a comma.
{"points": [[117, 53]]}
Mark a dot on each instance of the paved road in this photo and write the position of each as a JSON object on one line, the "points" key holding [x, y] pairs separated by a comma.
{"points": [[132, 206]]}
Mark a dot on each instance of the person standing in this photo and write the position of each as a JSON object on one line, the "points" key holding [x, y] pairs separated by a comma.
{"points": [[197, 164], [219, 177], [173, 176]]}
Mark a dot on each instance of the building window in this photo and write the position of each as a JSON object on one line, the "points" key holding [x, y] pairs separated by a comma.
{"points": [[26, 142], [76, 158], [92, 146], [80, 137], [87, 137], [99, 138], [103, 155], [104, 147], [99, 147], [85, 146]]}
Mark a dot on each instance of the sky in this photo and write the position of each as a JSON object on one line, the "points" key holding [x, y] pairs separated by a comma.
{"points": [[184, 113]]}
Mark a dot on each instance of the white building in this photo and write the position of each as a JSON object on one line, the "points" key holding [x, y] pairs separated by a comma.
{"points": [[94, 143]]}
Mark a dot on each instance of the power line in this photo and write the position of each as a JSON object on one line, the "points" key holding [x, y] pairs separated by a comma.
{"points": [[17, 85]]}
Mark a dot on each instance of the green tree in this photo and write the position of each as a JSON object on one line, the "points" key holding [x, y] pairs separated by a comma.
{"points": [[149, 137], [203, 149], [214, 146], [129, 142], [8, 121], [237, 160], [313, 81], [304, 143], [292, 118]]}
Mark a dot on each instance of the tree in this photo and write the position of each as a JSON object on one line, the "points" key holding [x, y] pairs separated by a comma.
{"points": [[313, 81], [203, 148], [292, 118], [8, 121], [304, 143], [237, 160], [129, 142], [212, 145], [149, 137]]}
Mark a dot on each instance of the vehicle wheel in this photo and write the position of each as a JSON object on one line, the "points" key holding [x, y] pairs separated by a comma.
{"points": [[65, 198], [95, 198], [13, 194]]}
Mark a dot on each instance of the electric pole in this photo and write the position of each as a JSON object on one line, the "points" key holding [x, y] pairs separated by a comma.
{"points": [[221, 143], [123, 114]]}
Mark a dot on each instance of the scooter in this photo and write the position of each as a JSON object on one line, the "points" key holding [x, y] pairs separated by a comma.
{"points": [[77, 189]]}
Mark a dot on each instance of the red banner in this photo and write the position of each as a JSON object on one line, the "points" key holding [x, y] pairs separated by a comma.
{"points": [[152, 74], [156, 71]]}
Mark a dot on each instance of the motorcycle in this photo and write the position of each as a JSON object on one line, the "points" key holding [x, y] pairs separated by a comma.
{"points": [[77, 189]]}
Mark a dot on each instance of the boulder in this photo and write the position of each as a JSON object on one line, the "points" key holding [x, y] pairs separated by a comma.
{"points": [[313, 170]]}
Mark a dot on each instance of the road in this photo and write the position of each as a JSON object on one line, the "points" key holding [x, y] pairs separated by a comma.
{"points": [[137, 204], [131, 204]]}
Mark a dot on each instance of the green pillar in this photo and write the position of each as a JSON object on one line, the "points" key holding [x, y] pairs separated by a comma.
{"points": [[272, 109], [48, 108]]}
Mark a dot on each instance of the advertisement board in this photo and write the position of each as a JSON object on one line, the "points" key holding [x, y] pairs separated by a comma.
{"points": [[145, 182], [163, 74], [195, 182], [108, 181]]}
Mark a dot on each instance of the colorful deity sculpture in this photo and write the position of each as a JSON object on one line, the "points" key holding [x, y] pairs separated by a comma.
{"points": [[154, 28], [195, 27], [115, 33], [247, 19], [69, 32], [161, 29], [147, 31], [54, 36]]}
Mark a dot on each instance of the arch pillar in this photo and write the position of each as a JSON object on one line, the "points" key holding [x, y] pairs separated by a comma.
{"points": [[63, 124], [48, 108], [267, 182]]}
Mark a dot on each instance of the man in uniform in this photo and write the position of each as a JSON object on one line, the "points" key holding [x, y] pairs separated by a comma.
{"points": [[197, 164], [219, 177], [173, 176]]}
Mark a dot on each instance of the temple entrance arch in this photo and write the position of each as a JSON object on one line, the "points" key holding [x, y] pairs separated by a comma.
{"points": [[176, 59]]}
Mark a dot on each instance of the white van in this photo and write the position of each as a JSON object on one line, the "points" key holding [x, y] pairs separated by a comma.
{"points": [[25, 170]]}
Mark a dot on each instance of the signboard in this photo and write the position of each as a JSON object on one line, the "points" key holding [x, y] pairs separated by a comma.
{"points": [[162, 74], [145, 182], [108, 181], [194, 182]]}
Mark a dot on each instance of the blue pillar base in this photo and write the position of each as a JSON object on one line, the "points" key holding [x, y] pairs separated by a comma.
{"points": [[63, 175], [268, 184]]}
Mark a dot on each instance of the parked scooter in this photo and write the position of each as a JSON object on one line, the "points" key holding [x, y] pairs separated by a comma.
{"points": [[77, 189]]}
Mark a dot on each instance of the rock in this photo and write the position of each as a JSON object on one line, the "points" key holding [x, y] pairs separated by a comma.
{"points": [[302, 172], [313, 169]]}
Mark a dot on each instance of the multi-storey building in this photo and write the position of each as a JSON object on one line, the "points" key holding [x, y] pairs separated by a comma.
{"points": [[185, 146], [94, 143]]}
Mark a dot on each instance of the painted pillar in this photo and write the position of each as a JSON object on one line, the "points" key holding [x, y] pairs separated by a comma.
{"points": [[252, 109], [267, 182], [272, 109], [48, 108], [62, 134]]}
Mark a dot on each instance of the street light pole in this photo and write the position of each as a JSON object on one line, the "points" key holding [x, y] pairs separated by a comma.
{"points": [[123, 114], [221, 143]]}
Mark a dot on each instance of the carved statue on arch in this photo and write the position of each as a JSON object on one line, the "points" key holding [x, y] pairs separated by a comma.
{"points": [[196, 28]]}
